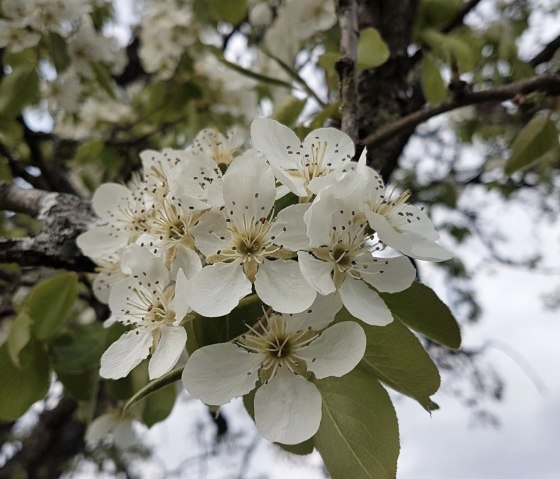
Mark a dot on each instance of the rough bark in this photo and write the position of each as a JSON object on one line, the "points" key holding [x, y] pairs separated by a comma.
{"points": [[64, 217], [384, 94], [57, 438]]}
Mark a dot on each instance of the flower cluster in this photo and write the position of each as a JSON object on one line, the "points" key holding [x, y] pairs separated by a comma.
{"points": [[297, 224]]}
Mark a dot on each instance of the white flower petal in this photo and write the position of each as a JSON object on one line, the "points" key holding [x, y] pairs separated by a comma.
{"points": [[218, 373], [420, 223], [168, 350], [337, 351], [337, 147], [101, 242], [102, 286], [249, 187], [289, 229], [275, 141], [137, 260], [187, 260], [281, 285], [393, 274], [318, 316], [364, 303], [288, 408], [317, 273], [429, 251], [108, 197], [211, 233], [99, 428], [216, 289], [179, 304], [125, 354], [124, 435]]}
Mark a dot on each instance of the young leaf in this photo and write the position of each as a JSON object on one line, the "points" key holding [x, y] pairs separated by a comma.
{"points": [[50, 304], [59, 52], [79, 350], [289, 109], [158, 406], [358, 436], [232, 11], [433, 86], [18, 89], [19, 336], [535, 139], [372, 50], [21, 387], [420, 309]]}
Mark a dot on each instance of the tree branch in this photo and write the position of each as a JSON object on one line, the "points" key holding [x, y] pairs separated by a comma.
{"points": [[57, 437], [346, 65], [64, 217], [549, 84], [546, 53], [461, 14]]}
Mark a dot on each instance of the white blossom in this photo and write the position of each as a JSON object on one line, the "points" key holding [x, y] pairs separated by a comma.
{"points": [[304, 167], [399, 225], [282, 352], [341, 259], [114, 426], [243, 245], [147, 301]]}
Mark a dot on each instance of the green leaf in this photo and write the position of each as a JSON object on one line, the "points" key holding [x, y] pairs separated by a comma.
{"points": [[79, 350], [372, 50], [396, 357], [433, 86], [420, 309], [18, 89], [289, 109], [358, 436], [158, 406], [50, 304], [21, 387], [535, 139], [103, 76], [153, 386], [231, 11], [225, 328], [59, 52], [330, 111], [450, 48], [83, 386], [301, 449], [19, 336]]}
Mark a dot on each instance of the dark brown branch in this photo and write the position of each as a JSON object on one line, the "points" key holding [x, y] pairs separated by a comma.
{"points": [[64, 218], [461, 14], [53, 173], [549, 84], [546, 53], [346, 65], [57, 438]]}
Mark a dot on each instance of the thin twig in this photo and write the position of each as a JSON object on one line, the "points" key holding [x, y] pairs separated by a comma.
{"points": [[548, 83]]}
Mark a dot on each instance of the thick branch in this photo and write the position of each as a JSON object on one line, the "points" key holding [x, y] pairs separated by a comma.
{"points": [[64, 218], [21, 200], [346, 65], [56, 438], [546, 53], [549, 84]]}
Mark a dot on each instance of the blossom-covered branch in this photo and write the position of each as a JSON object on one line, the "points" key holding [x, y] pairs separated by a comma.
{"points": [[549, 84]]}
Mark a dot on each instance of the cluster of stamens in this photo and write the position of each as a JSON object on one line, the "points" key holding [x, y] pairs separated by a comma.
{"points": [[277, 346]]}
